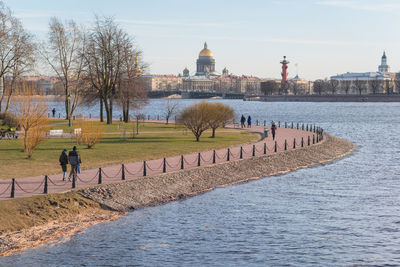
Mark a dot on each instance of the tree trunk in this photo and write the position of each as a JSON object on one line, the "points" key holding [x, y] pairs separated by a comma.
{"points": [[197, 138], [213, 133], [101, 110]]}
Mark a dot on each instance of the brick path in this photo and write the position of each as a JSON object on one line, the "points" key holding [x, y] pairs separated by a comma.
{"points": [[135, 170]]}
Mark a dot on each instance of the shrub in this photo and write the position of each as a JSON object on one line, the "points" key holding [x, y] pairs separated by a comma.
{"points": [[196, 118], [9, 119], [91, 133]]}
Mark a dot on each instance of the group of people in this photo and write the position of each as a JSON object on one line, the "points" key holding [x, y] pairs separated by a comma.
{"points": [[243, 121], [74, 159]]}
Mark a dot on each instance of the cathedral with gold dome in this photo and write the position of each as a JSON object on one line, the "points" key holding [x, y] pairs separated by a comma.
{"points": [[205, 63]]}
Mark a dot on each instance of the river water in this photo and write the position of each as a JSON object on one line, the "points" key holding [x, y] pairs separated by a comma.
{"points": [[340, 214]]}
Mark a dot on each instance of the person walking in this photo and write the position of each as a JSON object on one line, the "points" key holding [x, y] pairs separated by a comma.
{"points": [[75, 160], [249, 122], [273, 130], [63, 162], [54, 112], [242, 121]]}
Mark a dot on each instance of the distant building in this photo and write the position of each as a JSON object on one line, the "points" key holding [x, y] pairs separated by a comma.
{"points": [[363, 76], [384, 67], [205, 63], [198, 83], [162, 82]]}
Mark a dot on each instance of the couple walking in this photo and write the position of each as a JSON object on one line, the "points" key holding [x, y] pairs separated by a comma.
{"points": [[72, 158], [243, 121]]}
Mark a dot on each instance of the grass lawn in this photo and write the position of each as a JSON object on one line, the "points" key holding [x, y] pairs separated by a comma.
{"points": [[154, 141]]}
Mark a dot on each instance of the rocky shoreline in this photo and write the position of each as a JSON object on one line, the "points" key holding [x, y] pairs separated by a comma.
{"points": [[116, 198], [155, 190]]}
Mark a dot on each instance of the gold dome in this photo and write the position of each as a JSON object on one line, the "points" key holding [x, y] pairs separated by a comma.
{"points": [[205, 52]]}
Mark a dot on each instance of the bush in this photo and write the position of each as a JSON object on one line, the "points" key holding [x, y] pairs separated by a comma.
{"points": [[9, 119], [91, 133]]}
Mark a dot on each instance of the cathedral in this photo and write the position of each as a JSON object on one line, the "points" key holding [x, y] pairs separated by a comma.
{"points": [[205, 63]]}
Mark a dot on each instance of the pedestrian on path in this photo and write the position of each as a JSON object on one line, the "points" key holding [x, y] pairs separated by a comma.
{"points": [[64, 162], [249, 122], [75, 160], [273, 130], [242, 121], [54, 112]]}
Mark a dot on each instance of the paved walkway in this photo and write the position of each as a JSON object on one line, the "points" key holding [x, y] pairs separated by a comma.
{"points": [[135, 170]]}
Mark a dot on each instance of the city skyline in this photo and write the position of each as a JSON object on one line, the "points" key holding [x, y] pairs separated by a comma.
{"points": [[323, 38]]}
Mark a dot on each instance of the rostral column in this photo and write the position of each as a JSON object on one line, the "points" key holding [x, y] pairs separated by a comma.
{"points": [[284, 74]]}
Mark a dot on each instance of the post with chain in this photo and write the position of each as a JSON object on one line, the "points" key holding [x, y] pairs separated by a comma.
{"points": [[74, 181], [198, 159], [257, 122], [254, 150], [302, 142], [292, 125], [45, 190], [313, 139], [241, 153], [164, 168], [100, 177], [12, 188], [302, 126], [182, 159], [279, 124], [123, 171], [265, 148], [214, 157], [309, 141], [276, 147], [144, 168], [294, 143], [307, 128], [285, 124], [297, 126], [228, 155], [314, 128], [285, 144], [265, 123]]}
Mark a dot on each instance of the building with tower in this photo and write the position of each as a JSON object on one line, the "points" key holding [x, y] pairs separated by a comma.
{"points": [[205, 63], [384, 67]]}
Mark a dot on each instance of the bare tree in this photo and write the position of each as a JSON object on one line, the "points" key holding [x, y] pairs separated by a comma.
{"points": [[219, 115], [16, 50], [196, 118], [333, 85], [104, 62], [64, 54], [294, 87], [397, 83], [32, 118], [269, 87], [171, 108], [319, 86], [376, 86], [360, 85], [346, 86], [389, 87]]}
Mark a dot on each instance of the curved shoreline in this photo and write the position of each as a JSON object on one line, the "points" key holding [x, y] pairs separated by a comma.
{"points": [[159, 189]]}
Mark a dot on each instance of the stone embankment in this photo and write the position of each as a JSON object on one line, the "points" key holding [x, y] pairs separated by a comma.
{"points": [[158, 189]]}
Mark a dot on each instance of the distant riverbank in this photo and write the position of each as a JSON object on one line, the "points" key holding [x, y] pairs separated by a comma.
{"points": [[326, 98]]}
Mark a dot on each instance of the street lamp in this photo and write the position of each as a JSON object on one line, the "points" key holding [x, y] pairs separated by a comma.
{"points": [[69, 110]]}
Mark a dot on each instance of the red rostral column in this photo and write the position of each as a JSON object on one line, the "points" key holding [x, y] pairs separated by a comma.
{"points": [[284, 63]]}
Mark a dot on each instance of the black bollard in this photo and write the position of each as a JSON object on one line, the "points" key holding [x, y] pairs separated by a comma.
{"points": [[13, 188], [254, 151], [241, 153], [309, 141], [313, 139], [257, 122], [182, 166], [297, 126], [198, 159], [314, 128], [292, 125], [45, 190], [294, 143], [144, 168], [265, 123], [164, 169], [285, 124], [302, 142], [285, 144], [265, 148], [100, 177], [73, 181], [302, 126], [279, 124], [123, 171], [276, 147], [228, 155], [214, 157]]}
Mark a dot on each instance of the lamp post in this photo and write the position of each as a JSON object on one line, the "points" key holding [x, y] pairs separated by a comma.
{"points": [[69, 110]]}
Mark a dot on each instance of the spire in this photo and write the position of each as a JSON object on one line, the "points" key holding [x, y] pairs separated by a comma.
{"points": [[137, 68], [384, 54], [205, 45]]}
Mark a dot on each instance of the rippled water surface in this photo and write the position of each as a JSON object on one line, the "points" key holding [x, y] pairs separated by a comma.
{"points": [[343, 213]]}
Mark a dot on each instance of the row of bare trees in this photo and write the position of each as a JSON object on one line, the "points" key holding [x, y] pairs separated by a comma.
{"points": [[272, 87], [332, 86]]}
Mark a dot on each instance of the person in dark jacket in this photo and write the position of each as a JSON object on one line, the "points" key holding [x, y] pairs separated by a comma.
{"points": [[273, 130], [249, 122], [64, 162], [75, 160], [242, 121]]}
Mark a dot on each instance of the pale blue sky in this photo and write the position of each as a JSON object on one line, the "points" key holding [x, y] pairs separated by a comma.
{"points": [[324, 37]]}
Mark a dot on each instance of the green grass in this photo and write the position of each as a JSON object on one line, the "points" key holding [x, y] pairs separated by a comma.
{"points": [[154, 141]]}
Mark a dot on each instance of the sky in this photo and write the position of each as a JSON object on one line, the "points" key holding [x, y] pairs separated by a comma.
{"points": [[320, 38]]}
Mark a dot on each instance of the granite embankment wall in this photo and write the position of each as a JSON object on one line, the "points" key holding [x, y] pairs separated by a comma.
{"points": [[327, 98], [154, 190]]}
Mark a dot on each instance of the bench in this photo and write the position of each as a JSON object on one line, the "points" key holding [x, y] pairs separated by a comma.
{"points": [[77, 131], [56, 132]]}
